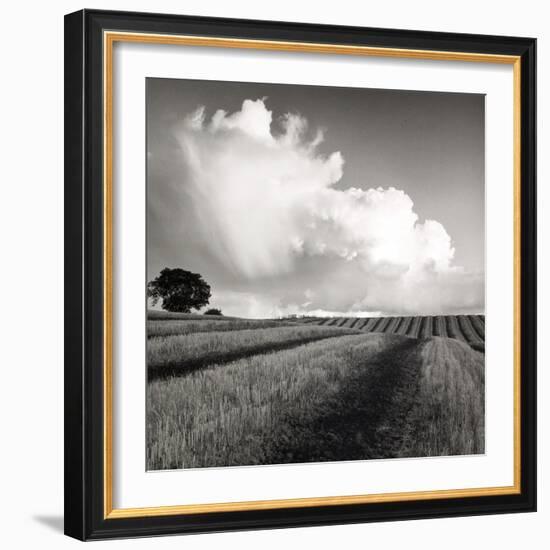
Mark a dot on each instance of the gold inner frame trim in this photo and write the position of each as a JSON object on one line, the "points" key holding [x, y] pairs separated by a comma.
{"points": [[109, 39]]}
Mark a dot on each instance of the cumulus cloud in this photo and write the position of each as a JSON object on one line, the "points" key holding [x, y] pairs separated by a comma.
{"points": [[265, 201]]}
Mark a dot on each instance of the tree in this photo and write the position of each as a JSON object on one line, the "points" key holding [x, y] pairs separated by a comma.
{"points": [[179, 290], [213, 311]]}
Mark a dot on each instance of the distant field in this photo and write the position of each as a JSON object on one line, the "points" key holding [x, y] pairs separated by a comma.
{"points": [[466, 328], [170, 315], [226, 391], [170, 328]]}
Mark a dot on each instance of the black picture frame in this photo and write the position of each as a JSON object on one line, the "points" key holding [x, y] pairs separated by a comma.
{"points": [[85, 517]]}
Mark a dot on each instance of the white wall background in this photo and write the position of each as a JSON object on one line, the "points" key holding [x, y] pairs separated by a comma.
{"points": [[31, 272]]}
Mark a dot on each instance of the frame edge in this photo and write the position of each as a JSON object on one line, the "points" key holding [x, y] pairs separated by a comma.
{"points": [[81, 518], [74, 269]]}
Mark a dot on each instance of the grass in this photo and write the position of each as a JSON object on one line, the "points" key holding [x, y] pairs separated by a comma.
{"points": [[228, 391], [363, 419], [156, 328], [227, 415], [175, 354], [448, 417]]}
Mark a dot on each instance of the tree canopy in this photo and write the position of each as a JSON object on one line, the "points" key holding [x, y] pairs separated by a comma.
{"points": [[179, 290]]}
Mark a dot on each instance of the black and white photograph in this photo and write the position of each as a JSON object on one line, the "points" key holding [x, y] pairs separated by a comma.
{"points": [[283, 241], [315, 274]]}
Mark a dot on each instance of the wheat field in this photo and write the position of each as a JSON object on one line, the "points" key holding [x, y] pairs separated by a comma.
{"points": [[312, 390]]}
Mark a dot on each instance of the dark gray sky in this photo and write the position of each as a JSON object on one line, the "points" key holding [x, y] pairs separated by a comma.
{"points": [[208, 181]]}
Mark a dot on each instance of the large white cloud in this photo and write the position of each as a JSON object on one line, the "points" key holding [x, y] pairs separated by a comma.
{"points": [[265, 200]]}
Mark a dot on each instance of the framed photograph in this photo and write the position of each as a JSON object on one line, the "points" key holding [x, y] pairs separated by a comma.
{"points": [[300, 274]]}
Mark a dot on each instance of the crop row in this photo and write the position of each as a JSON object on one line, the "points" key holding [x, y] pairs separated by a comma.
{"points": [[178, 354], [466, 328]]}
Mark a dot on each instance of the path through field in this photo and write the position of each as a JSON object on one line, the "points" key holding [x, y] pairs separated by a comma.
{"points": [[366, 419], [268, 393]]}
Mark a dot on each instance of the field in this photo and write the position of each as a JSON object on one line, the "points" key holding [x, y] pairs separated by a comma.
{"points": [[228, 392], [466, 328]]}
